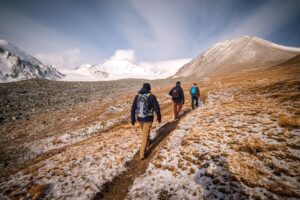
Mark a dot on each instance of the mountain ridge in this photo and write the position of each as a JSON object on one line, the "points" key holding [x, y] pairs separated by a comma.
{"points": [[236, 55], [16, 64], [224, 58]]}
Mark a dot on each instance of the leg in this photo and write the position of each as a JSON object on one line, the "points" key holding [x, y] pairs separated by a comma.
{"points": [[141, 151], [141, 125], [197, 102], [145, 138], [179, 108], [175, 110], [193, 102]]}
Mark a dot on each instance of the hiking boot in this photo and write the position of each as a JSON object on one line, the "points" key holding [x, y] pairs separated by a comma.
{"points": [[143, 158]]}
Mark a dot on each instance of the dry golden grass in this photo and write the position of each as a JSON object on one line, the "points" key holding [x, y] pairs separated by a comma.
{"points": [[36, 191], [253, 146], [287, 121]]}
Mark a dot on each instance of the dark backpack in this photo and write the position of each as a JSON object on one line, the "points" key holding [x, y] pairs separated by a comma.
{"points": [[143, 110], [175, 93]]}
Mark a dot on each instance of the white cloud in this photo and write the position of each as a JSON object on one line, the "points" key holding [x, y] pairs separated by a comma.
{"points": [[122, 54], [265, 20], [166, 66], [68, 59], [51, 45], [156, 29]]}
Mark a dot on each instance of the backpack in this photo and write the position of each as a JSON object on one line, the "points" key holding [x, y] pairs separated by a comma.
{"points": [[175, 93], [193, 90], [142, 110]]}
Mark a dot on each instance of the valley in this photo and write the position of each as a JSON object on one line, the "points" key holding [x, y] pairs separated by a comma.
{"points": [[74, 140], [241, 143]]}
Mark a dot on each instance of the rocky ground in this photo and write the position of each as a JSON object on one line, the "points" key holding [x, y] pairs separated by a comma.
{"points": [[48, 149], [243, 143], [22, 99]]}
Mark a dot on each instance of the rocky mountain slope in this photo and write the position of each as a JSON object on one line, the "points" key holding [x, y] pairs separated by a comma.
{"points": [[16, 64], [237, 55]]}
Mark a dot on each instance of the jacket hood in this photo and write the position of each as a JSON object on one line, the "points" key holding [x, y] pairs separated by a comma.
{"points": [[144, 91]]}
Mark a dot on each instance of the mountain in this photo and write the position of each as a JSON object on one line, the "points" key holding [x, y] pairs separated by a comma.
{"points": [[110, 70], [16, 64], [123, 69], [237, 55]]}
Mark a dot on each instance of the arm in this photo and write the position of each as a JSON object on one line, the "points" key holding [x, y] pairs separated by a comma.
{"points": [[198, 91], [182, 94], [171, 91], [156, 108], [133, 108]]}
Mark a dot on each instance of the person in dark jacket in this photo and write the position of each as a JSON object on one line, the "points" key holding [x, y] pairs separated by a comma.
{"points": [[142, 110], [177, 98], [195, 94]]}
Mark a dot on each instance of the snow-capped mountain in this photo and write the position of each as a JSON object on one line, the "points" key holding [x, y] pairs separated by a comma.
{"points": [[237, 55], [16, 64], [121, 69]]}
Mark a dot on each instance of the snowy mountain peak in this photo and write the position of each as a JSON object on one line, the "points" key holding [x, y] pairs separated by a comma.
{"points": [[16, 64], [237, 55], [120, 67]]}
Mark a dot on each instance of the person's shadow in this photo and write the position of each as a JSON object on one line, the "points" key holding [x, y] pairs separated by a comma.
{"points": [[164, 131]]}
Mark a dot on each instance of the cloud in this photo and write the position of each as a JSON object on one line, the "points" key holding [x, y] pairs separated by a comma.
{"points": [[155, 29], [124, 55], [265, 20], [150, 30], [51, 45], [68, 59], [166, 66]]}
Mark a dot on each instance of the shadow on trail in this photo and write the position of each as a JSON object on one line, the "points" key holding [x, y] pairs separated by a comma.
{"points": [[164, 131], [121, 184]]}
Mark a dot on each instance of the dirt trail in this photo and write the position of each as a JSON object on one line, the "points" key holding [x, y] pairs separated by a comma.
{"points": [[121, 184]]}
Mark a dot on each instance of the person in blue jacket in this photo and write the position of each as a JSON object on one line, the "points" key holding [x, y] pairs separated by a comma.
{"points": [[195, 94]]}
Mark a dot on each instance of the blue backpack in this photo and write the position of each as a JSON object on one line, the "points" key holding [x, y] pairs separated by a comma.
{"points": [[193, 90]]}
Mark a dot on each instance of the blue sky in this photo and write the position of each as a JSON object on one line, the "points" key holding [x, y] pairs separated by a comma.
{"points": [[73, 32]]}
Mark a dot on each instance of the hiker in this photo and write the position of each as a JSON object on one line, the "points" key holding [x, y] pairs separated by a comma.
{"points": [[142, 109], [195, 94], [178, 99]]}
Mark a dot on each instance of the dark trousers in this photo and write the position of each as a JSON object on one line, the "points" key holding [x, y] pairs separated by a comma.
{"points": [[195, 101]]}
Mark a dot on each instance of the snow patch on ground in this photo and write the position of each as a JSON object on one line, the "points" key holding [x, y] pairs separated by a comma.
{"points": [[46, 144], [80, 171]]}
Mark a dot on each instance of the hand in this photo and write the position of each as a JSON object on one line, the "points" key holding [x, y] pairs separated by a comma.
{"points": [[159, 121]]}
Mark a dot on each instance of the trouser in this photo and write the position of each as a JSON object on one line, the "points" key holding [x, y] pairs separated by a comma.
{"points": [[177, 108], [195, 101], [146, 127]]}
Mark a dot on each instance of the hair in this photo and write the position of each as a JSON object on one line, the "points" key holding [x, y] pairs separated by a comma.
{"points": [[147, 86]]}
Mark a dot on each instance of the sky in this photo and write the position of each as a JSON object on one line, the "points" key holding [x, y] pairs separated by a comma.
{"points": [[68, 33]]}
